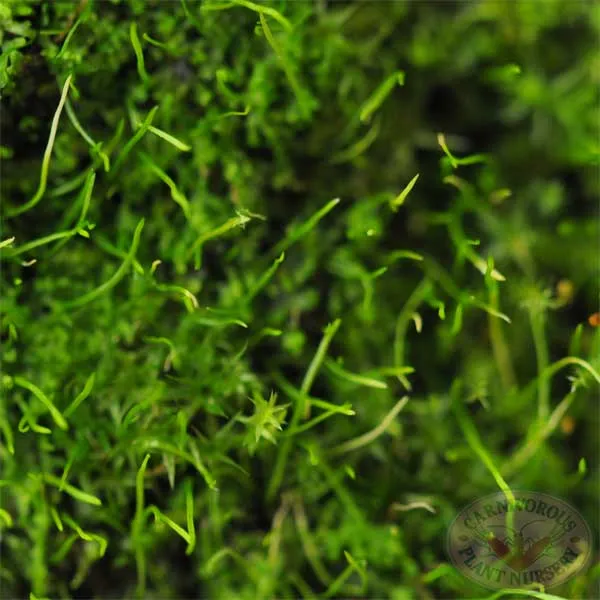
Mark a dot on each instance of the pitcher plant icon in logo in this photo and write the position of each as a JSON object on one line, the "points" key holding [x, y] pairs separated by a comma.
{"points": [[519, 552], [538, 539]]}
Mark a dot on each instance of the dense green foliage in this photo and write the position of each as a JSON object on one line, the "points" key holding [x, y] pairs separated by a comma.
{"points": [[221, 277]]}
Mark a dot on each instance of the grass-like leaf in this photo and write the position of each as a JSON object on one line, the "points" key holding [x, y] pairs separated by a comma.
{"points": [[47, 156], [114, 280], [54, 412], [380, 94], [139, 53]]}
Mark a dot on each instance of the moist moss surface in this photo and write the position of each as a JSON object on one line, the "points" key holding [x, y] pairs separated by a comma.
{"points": [[286, 285]]}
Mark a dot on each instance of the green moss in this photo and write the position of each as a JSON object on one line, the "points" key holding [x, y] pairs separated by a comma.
{"points": [[221, 275]]}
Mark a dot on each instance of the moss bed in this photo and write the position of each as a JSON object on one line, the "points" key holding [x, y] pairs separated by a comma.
{"points": [[285, 285]]}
